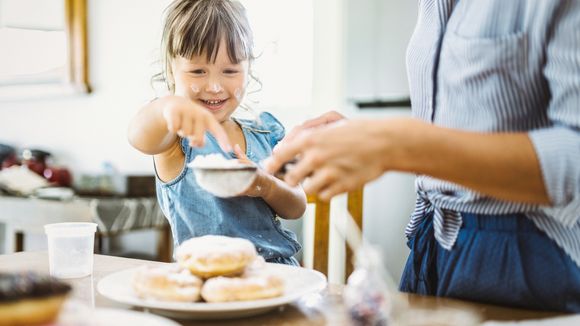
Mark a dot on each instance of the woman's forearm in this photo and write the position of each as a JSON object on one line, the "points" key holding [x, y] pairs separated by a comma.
{"points": [[148, 130], [501, 165]]}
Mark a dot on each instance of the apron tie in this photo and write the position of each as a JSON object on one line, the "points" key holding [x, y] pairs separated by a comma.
{"points": [[446, 223]]}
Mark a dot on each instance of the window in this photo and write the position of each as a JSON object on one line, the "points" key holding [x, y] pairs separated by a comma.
{"points": [[44, 48]]}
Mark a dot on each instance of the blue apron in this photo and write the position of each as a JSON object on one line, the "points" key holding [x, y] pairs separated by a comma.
{"points": [[497, 259]]}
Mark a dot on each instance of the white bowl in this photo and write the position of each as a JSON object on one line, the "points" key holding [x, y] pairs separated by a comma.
{"points": [[225, 182]]}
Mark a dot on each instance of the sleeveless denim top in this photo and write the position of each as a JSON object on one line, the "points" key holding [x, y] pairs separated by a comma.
{"points": [[193, 212]]}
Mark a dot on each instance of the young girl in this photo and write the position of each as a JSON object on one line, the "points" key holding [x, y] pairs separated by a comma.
{"points": [[207, 55]]}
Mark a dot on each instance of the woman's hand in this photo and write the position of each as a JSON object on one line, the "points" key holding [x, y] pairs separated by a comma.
{"points": [[191, 121], [321, 121], [336, 158], [288, 202]]}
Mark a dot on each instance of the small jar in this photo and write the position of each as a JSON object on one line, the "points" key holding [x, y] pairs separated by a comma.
{"points": [[35, 160], [58, 175], [7, 156], [366, 295]]}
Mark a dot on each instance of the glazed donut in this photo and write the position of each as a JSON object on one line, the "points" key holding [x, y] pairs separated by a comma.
{"points": [[253, 285], [166, 283], [214, 255], [30, 299]]}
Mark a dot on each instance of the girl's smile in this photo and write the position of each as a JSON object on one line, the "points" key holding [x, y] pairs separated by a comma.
{"points": [[214, 104], [215, 84]]}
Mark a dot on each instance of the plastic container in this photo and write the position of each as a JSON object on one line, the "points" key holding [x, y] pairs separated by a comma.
{"points": [[366, 295], [70, 249]]}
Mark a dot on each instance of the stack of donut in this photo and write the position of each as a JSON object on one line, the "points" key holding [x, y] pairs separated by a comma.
{"points": [[212, 268]]}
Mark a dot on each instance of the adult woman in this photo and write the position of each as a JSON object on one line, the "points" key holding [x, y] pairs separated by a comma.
{"points": [[495, 89]]}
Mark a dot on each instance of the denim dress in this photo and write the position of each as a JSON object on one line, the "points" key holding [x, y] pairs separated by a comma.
{"points": [[193, 212]]}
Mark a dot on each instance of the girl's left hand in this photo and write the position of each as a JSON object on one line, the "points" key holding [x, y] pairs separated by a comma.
{"points": [[260, 185]]}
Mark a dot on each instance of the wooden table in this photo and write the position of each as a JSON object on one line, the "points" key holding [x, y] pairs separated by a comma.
{"points": [[299, 313]]}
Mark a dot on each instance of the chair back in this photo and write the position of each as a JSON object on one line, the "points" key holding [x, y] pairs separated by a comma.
{"points": [[322, 230]]}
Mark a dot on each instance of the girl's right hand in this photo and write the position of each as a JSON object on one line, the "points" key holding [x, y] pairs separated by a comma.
{"points": [[189, 120]]}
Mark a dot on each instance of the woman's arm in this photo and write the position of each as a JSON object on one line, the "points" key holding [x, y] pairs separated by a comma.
{"points": [[343, 157], [501, 165]]}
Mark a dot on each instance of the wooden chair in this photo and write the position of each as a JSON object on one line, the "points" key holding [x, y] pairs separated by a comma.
{"points": [[322, 229]]}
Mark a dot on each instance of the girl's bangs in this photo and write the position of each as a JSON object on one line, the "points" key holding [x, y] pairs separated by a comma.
{"points": [[205, 39]]}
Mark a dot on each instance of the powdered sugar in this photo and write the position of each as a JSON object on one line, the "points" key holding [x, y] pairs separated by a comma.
{"points": [[215, 161], [222, 177]]}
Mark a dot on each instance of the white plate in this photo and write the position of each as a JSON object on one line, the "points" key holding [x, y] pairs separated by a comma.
{"points": [[298, 282], [108, 316]]}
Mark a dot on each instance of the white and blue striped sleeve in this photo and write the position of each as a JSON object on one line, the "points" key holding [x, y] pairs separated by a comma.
{"points": [[558, 147]]}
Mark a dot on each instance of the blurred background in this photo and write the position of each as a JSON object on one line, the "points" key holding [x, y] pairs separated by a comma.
{"points": [[314, 56]]}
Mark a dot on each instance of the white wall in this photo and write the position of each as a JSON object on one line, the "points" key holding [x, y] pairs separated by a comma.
{"points": [[378, 34], [82, 131]]}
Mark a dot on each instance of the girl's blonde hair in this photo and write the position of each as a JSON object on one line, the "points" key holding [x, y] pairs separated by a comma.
{"points": [[196, 27]]}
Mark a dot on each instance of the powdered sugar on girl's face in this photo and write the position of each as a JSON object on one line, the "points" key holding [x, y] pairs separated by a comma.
{"points": [[217, 86]]}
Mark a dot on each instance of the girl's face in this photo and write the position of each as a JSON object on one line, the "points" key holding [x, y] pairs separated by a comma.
{"points": [[218, 86]]}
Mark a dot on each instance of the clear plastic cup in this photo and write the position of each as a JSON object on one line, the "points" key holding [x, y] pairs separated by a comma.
{"points": [[70, 249]]}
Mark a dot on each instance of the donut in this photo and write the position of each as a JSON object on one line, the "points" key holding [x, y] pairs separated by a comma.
{"points": [[257, 265], [166, 283], [213, 255], [254, 284], [30, 299]]}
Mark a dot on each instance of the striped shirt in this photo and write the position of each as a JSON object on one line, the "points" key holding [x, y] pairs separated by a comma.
{"points": [[501, 66]]}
